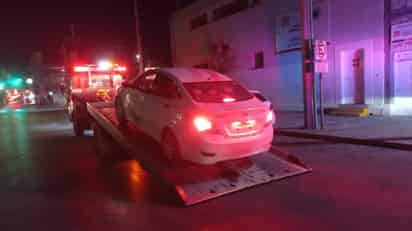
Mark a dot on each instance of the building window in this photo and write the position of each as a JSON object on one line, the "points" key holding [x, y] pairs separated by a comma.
{"points": [[230, 9], [256, 3], [198, 21], [259, 60]]}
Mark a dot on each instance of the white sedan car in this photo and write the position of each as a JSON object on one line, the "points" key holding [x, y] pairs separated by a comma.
{"points": [[197, 115]]}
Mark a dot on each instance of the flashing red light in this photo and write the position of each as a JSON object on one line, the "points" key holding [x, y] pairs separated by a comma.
{"points": [[121, 69], [105, 66], [229, 100], [81, 69], [103, 69], [202, 124], [15, 105]]}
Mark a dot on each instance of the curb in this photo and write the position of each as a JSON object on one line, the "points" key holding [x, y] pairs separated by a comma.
{"points": [[346, 140], [288, 157]]}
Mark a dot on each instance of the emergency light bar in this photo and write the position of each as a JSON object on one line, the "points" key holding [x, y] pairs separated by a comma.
{"points": [[103, 67], [120, 68], [81, 69]]}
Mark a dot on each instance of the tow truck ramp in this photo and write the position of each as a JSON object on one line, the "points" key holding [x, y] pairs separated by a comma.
{"points": [[193, 183]]}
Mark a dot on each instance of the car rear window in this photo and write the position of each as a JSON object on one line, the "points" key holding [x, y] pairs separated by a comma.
{"points": [[100, 79], [217, 92]]}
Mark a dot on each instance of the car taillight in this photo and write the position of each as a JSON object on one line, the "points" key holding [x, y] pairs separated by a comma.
{"points": [[202, 124], [270, 117], [229, 100]]}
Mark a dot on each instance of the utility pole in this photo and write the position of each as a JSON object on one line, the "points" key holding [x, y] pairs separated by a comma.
{"points": [[308, 67], [139, 54], [70, 47]]}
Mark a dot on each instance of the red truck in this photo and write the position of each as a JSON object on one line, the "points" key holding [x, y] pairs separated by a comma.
{"points": [[91, 83]]}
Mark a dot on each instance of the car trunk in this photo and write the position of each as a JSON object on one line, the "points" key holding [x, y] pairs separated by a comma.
{"points": [[238, 118]]}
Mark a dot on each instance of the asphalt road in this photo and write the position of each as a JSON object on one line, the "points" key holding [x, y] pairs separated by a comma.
{"points": [[51, 180]]}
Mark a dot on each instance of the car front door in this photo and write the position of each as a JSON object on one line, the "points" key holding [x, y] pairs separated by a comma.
{"points": [[135, 98]]}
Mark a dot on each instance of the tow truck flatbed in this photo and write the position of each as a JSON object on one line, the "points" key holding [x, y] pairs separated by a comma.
{"points": [[193, 183]]}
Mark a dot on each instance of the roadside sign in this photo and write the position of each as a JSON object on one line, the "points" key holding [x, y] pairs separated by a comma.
{"points": [[321, 66], [321, 56]]}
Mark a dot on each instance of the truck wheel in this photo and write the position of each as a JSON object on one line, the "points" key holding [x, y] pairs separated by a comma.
{"points": [[170, 147], [78, 127]]}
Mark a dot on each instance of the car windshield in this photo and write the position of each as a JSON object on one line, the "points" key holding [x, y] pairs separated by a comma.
{"points": [[217, 92]]}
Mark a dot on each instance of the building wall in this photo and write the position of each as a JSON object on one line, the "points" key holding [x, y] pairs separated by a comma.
{"points": [[349, 25], [401, 57], [358, 24]]}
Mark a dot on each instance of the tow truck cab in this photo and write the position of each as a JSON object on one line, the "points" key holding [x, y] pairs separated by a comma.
{"points": [[91, 83]]}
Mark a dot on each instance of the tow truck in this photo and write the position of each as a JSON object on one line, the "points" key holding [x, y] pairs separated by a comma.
{"points": [[91, 83], [192, 183]]}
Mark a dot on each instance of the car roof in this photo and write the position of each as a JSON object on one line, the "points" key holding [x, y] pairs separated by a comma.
{"points": [[194, 75]]}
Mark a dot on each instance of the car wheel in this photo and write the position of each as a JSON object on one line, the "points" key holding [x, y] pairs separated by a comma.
{"points": [[120, 114], [170, 147], [78, 127]]}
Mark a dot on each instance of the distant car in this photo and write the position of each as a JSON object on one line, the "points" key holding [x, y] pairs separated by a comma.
{"points": [[15, 96], [197, 115], [29, 97], [45, 98]]}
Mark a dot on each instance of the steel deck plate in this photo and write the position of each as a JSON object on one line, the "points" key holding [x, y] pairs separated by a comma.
{"points": [[197, 183], [264, 168]]}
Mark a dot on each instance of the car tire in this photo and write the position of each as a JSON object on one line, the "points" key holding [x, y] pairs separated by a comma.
{"points": [[170, 147], [120, 113], [78, 127]]}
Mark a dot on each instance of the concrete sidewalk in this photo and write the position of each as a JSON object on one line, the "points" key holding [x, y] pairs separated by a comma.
{"points": [[391, 132]]}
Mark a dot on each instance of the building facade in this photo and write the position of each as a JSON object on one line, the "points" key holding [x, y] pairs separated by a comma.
{"points": [[258, 43]]}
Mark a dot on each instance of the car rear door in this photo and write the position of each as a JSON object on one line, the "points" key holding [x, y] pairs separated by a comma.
{"points": [[162, 107]]}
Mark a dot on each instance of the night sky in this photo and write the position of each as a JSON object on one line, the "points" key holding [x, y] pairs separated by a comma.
{"points": [[105, 28]]}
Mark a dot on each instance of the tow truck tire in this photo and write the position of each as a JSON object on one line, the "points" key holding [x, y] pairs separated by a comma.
{"points": [[170, 147]]}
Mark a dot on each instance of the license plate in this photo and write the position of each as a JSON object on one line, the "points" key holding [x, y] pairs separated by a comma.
{"points": [[243, 125]]}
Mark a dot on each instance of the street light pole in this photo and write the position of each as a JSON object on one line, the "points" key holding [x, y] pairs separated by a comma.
{"points": [[308, 68], [139, 55]]}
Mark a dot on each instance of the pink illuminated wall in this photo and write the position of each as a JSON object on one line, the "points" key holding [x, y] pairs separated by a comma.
{"points": [[349, 25]]}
